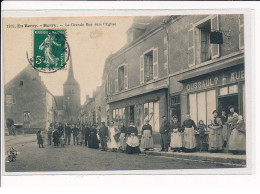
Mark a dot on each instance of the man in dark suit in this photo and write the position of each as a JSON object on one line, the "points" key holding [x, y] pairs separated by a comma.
{"points": [[68, 132], [103, 134], [75, 132], [86, 133], [164, 130]]}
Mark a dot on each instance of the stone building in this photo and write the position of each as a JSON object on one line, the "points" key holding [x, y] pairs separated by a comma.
{"points": [[28, 102], [172, 66], [88, 111]]}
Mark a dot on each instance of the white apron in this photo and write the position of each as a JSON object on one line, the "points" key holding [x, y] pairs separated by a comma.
{"points": [[147, 140], [189, 138], [215, 139], [132, 141], [237, 141], [176, 139], [112, 144]]}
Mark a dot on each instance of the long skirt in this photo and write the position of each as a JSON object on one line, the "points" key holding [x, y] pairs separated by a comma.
{"points": [[176, 140], [215, 139], [93, 141], [122, 141], [112, 143], [147, 140], [237, 141], [189, 138], [132, 144]]}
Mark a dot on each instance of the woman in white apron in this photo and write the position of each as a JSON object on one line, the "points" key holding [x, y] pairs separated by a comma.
{"points": [[122, 138], [189, 139], [215, 135], [112, 132], [237, 139], [176, 135], [147, 136], [132, 142]]}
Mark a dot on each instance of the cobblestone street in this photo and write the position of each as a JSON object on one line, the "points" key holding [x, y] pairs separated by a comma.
{"points": [[80, 158]]}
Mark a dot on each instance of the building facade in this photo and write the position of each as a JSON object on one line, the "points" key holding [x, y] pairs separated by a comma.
{"points": [[174, 65], [28, 102]]}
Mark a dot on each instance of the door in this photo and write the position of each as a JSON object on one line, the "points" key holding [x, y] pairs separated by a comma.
{"points": [[225, 102]]}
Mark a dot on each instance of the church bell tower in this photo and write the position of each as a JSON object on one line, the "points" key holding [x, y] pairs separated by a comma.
{"points": [[71, 94]]}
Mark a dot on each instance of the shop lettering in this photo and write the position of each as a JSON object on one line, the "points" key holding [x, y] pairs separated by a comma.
{"points": [[235, 76], [202, 84], [210, 82]]}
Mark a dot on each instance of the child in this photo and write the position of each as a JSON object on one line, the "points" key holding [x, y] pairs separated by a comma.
{"points": [[62, 142], [201, 130], [39, 139], [176, 142]]}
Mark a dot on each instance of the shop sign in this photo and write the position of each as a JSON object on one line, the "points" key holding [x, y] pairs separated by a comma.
{"points": [[217, 80]]}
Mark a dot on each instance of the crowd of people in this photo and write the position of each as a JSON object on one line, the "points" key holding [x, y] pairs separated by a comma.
{"points": [[224, 131]]}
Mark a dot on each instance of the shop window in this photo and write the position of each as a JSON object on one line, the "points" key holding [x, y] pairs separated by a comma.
{"points": [[151, 113], [175, 106], [202, 105], [119, 114], [233, 89]]}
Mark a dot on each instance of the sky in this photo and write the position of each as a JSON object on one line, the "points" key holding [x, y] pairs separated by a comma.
{"points": [[89, 46]]}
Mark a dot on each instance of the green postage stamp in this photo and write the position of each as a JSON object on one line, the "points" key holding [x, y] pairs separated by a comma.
{"points": [[49, 49]]}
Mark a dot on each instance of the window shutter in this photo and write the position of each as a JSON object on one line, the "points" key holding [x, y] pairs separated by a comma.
{"points": [[214, 27], [241, 31], [142, 69], [155, 63], [126, 75], [116, 80], [191, 47]]}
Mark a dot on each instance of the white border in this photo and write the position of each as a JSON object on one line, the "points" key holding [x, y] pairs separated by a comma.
{"points": [[146, 7]]}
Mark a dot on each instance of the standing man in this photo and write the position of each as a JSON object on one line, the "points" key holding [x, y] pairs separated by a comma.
{"points": [[75, 132], [86, 133], [103, 134], [164, 130], [68, 132], [61, 129]]}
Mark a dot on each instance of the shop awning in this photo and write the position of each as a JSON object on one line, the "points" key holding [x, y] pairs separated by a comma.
{"points": [[212, 68]]}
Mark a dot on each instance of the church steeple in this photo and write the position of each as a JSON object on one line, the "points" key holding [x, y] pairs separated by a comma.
{"points": [[70, 78]]}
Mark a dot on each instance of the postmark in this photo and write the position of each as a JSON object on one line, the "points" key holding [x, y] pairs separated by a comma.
{"points": [[50, 50]]}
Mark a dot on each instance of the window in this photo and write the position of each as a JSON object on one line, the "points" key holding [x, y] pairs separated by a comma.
{"points": [[121, 79], [151, 113], [119, 114], [199, 47], [205, 30], [241, 31], [10, 99], [26, 116], [21, 83], [233, 89], [202, 105], [149, 66]]}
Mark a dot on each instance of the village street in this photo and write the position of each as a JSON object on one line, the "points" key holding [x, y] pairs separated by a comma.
{"points": [[81, 158]]}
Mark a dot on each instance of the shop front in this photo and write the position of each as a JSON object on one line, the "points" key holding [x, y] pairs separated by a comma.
{"points": [[215, 91], [149, 106]]}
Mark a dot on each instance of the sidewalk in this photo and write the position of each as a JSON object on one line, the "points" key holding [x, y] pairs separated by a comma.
{"points": [[202, 156]]}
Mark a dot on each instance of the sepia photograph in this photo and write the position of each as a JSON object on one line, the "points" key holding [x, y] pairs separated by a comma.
{"points": [[124, 93]]}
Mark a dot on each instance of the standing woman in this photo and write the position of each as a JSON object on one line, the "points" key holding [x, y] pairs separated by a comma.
{"points": [[122, 138], [215, 134], [237, 140], [132, 142], [112, 132], [147, 136], [232, 120], [176, 135], [189, 139], [92, 139]]}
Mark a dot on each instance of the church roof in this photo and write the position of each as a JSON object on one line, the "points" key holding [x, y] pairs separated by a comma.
{"points": [[71, 80]]}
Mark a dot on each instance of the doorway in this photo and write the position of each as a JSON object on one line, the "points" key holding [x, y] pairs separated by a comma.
{"points": [[225, 102]]}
